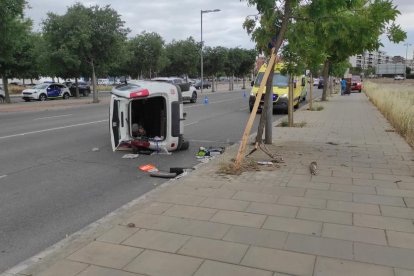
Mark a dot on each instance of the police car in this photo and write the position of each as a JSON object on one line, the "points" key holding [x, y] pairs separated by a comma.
{"points": [[44, 91]]}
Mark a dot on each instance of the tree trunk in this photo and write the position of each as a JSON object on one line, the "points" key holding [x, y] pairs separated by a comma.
{"points": [[244, 82], [325, 78], [6, 89], [95, 91], [77, 88], [263, 116], [213, 82], [290, 102], [269, 109], [311, 92], [279, 40]]}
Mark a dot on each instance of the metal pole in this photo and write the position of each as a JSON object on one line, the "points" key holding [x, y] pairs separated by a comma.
{"points": [[405, 62], [201, 53]]}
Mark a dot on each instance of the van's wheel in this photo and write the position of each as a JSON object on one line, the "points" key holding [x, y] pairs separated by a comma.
{"points": [[86, 93], [193, 98], [42, 97], [296, 106], [185, 145], [1, 100], [66, 96]]}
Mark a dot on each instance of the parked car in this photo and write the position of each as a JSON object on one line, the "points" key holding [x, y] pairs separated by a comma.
{"points": [[206, 84], [2, 96], [84, 88], [356, 84], [399, 77], [315, 81], [188, 91], [320, 84], [44, 91]]}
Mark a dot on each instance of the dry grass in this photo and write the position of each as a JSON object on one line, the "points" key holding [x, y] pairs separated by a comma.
{"points": [[396, 103], [285, 123], [229, 168], [316, 108]]}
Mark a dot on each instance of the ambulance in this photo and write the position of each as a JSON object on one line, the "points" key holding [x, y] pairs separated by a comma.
{"points": [[280, 89], [147, 115]]}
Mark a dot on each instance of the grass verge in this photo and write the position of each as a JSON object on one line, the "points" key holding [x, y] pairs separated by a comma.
{"points": [[396, 103]]}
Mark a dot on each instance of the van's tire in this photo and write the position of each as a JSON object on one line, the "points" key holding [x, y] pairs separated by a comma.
{"points": [[296, 106], [193, 97], [42, 97], [86, 93], [2, 100], [185, 145], [66, 96]]}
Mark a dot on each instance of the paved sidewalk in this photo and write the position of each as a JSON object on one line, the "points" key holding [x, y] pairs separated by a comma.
{"points": [[355, 218]]}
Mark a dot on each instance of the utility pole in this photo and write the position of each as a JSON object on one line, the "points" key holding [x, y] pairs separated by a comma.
{"points": [[405, 62]]}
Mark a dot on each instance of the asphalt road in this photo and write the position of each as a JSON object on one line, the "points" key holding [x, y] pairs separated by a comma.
{"points": [[52, 183]]}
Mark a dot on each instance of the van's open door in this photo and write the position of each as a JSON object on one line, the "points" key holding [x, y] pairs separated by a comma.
{"points": [[117, 121]]}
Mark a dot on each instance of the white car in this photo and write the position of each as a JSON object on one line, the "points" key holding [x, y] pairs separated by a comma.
{"points": [[315, 81], [44, 91], [398, 77], [2, 96], [188, 91]]}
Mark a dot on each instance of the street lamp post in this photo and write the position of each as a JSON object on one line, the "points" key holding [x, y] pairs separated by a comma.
{"points": [[202, 43], [406, 52]]}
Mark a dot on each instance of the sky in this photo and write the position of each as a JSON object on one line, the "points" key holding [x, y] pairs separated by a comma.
{"points": [[180, 19]]}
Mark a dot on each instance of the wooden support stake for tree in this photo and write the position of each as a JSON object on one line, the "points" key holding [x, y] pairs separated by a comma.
{"points": [[245, 137]]}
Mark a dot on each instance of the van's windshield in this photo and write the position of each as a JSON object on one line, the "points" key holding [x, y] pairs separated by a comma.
{"points": [[278, 79]]}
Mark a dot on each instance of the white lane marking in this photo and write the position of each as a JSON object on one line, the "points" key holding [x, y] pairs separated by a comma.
{"points": [[51, 129], [193, 123], [209, 141], [44, 118], [196, 105], [3, 176]]}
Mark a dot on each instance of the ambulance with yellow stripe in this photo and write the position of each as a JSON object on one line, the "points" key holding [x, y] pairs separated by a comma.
{"points": [[280, 89]]}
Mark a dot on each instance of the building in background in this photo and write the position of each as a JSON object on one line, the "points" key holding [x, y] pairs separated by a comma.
{"points": [[369, 59]]}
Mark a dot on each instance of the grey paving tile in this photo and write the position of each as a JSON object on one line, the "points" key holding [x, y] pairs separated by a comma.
{"points": [[319, 246], [150, 221], [382, 255], [375, 183], [157, 240], [190, 212], [401, 239], [395, 192], [257, 197], [239, 218], [63, 268], [183, 199], [156, 208], [293, 225], [102, 271], [354, 233], [403, 272], [380, 222], [378, 199], [353, 207], [332, 179], [272, 209], [225, 204], [353, 189], [336, 267], [214, 250], [199, 228], [325, 215], [222, 269], [105, 254], [279, 260], [409, 202], [117, 234], [258, 237], [302, 201], [148, 263], [343, 196], [398, 212]]}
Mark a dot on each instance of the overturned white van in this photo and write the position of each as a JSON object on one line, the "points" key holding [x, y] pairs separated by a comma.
{"points": [[147, 115]]}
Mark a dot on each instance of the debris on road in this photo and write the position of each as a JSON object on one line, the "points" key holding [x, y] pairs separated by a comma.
{"points": [[130, 156], [265, 163], [332, 143], [131, 225], [95, 149], [162, 174], [148, 168]]}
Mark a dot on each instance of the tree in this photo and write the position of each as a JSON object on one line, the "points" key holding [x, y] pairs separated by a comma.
{"points": [[248, 58], [215, 60], [93, 37], [146, 54], [13, 31], [183, 58]]}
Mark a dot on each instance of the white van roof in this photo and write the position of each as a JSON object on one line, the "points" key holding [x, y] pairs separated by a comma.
{"points": [[139, 88]]}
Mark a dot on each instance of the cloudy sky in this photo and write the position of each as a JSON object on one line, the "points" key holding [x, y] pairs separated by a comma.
{"points": [[179, 19]]}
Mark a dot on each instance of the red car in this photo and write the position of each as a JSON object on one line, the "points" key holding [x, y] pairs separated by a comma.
{"points": [[356, 84]]}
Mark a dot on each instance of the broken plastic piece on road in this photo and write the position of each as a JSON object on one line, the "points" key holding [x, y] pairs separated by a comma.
{"points": [[130, 156], [148, 168], [95, 149], [265, 163]]}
